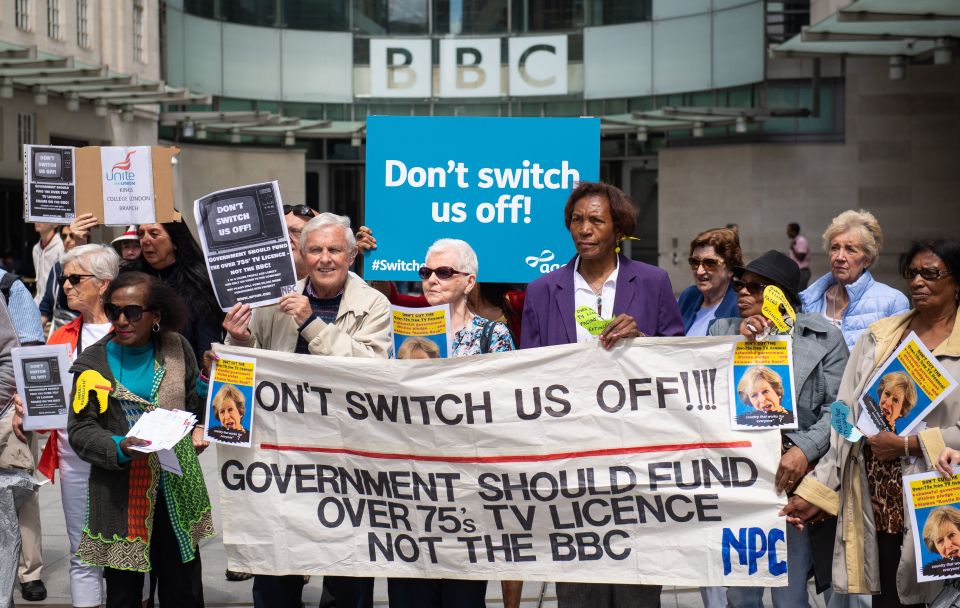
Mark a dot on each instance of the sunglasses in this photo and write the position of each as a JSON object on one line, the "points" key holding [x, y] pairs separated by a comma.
{"points": [[707, 263], [133, 312], [443, 272], [754, 287], [300, 210], [74, 278], [928, 274]]}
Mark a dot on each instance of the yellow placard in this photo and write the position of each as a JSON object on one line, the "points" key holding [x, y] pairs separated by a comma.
{"points": [[588, 319], [91, 380], [772, 352], [231, 371], [777, 308], [935, 491], [430, 323]]}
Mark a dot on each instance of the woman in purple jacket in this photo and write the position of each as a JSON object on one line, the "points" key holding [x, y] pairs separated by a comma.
{"points": [[600, 295]]}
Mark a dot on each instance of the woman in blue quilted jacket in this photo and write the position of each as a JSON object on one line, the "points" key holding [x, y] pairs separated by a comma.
{"points": [[848, 296]]}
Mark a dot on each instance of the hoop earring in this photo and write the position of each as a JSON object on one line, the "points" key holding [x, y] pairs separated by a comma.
{"points": [[156, 327]]}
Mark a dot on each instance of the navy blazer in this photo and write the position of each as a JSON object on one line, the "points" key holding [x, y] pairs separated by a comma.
{"points": [[691, 300], [643, 292]]}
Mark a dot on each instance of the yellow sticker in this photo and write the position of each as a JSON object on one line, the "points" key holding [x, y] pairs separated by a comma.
{"points": [[587, 318], [776, 307], [91, 380]]}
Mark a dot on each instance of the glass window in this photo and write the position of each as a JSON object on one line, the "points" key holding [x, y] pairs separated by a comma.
{"points": [[83, 24], [138, 47], [22, 15], [546, 15], [53, 19], [200, 8], [391, 16], [612, 12], [469, 16], [329, 15], [250, 12]]}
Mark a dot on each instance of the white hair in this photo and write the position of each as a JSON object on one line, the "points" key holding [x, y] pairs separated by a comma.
{"points": [[328, 219], [101, 261], [468, 257]]}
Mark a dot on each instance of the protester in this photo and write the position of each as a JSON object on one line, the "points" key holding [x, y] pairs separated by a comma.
{"points": [[799, 252], [169, 252], [636, 298], [819, 358], [713, 256], [21, 308], [53, 306], [497, 301], [296, 217], [87, 273], [848, 296], [16, 463], [128, 243], [140, 518], [861, 482], [331, 312], [449, 274], [45, 254]]}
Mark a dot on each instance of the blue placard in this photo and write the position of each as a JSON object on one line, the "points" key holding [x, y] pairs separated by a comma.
{"points": [[498, 183]]}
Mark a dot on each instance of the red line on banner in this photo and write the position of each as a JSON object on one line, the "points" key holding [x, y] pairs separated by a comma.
{"points": [[641, 449]]}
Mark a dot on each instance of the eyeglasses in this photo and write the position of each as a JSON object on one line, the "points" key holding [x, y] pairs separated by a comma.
{"points": [[75, 278], [133, 312], [301, 210], [928, 274], [708, 264], [754, 287], [443, 272]]}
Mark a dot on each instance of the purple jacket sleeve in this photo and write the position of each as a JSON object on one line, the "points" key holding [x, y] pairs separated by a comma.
{"points": [[669, 321], [530, 323]]}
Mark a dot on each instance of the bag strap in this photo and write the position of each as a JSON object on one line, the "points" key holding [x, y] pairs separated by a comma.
{"points": [[486, 337]]}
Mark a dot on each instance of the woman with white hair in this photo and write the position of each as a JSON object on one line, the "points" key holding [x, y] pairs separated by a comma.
{"points": [[848, 296], [449, 275], [87, 272]]}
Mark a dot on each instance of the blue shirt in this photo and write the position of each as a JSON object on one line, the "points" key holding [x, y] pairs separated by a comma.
{"points": [[24, 313]]}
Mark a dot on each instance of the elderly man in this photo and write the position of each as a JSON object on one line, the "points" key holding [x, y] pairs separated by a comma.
{"points": [[331, 312], [296, 217]]}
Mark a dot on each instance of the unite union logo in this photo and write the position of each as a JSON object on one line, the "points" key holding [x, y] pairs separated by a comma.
{"points": [[543, 261], [120, 172]]}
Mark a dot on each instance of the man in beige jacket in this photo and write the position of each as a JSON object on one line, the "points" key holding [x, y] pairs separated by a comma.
{"points": [[331, 312]]}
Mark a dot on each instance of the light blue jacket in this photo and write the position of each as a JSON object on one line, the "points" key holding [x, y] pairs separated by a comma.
{"points": [[869, 301]]}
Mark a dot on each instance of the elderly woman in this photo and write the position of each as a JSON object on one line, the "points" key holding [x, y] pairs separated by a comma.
{"points": [[713, 256], [449, 274], [87, 273], [861, 483], [819, 357], [615, 298], [140, 518], [848, 296]]}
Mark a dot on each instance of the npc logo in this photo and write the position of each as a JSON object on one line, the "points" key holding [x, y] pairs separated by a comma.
{"points": [[542, 261]]}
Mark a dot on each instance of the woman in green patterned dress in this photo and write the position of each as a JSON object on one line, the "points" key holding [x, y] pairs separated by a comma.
{"points": [[140, 518]]}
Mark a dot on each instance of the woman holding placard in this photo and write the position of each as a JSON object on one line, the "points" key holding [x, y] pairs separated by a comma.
{"points": [[861, 482], [140, 518]]}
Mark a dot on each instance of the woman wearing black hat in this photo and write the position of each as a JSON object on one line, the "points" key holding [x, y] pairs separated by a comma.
{"points": [[819, 357]]}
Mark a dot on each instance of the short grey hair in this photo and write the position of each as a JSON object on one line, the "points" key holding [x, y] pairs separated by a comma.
{"points": [[101, 261], [864, 224], [328, 219], [468, 257]]}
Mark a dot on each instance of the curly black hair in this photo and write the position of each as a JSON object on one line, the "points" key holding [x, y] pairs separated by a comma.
{"points": [[160, 297]]}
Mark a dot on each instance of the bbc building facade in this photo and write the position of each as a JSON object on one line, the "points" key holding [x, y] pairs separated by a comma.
{"points": [[702, 124]]}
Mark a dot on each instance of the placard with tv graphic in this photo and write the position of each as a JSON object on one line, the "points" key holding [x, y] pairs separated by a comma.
{"points": [[43, 383], [498, 183], [245, 243], [50, 184]]}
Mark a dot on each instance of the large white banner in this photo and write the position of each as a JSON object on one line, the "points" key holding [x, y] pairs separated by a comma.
{"points": [[567, 463]]}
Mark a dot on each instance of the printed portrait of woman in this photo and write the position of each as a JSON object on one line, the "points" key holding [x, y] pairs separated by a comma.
{"points": [[418, 348], [897, 395], [761, 389]]}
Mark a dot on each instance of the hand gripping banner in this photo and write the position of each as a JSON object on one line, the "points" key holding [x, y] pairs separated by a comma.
{"points": [[567, 463]]}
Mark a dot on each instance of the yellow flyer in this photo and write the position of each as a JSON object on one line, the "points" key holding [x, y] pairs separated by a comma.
{"points": [[934, 505], [230, 402], [909, 384], [761, 384], [422, 333]]}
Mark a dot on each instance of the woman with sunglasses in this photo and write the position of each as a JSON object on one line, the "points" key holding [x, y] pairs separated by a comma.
{"points": [[169, 252], [713, 255], [848, 296], [449, 274], [861, 483], [140, 518], [819, 358], [87, 273]]}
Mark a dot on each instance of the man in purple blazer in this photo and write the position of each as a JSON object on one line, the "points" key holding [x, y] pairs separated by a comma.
{"points": [[600, 295]]}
